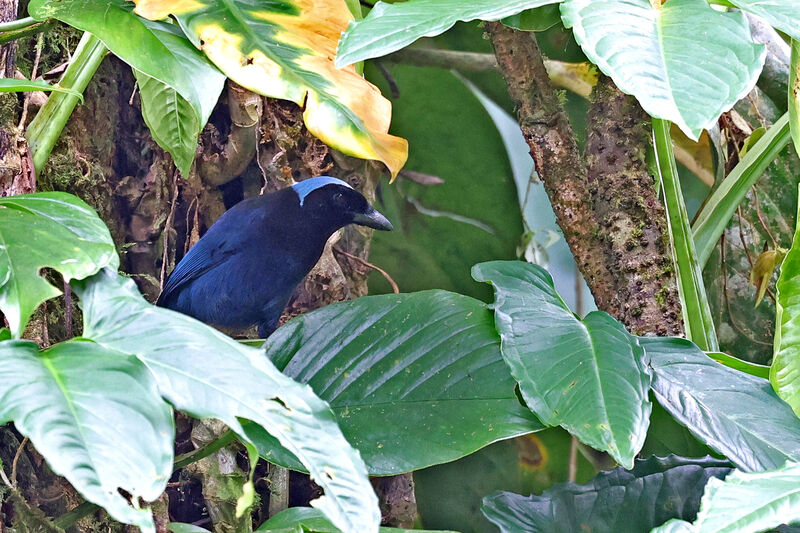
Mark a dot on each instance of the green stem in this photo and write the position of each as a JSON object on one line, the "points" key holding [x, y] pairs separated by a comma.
{"points": [[12, 25], [46, 127], [68, 519], [713, 217], [697, 319], [794, 95], [31, 30], [204, 451]]}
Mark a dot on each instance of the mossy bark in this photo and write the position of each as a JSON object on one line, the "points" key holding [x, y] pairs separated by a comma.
{"points": [[605, 203]]}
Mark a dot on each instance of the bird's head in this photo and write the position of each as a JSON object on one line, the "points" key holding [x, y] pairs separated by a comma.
{"points": [[335, 203]]}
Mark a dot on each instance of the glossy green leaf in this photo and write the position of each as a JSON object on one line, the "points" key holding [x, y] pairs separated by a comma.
{"points": [[49, 229], [713, 217], [586, 376], [286, 50], [785, 370], [13, 85], [426, 251], [414, 379], [782, 14], [617, 501], [747, 502], [173, 123], [153, 48], [301, 519], [207, 374], [794, 94], [96, 416], [389, 27], [736, 414], [697, 320], [653, 51]]}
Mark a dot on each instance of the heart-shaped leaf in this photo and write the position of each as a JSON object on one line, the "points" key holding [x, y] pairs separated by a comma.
{"points": [[286, 50], [157, 50], [207, 374], [585, 376], [50, 229], [414, 379], [392, 26], [96, 416], [735, 413], [618, 501], [684, 61]]}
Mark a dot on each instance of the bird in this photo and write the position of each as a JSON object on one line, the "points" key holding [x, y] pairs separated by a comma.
{"points": [[243, 270]]}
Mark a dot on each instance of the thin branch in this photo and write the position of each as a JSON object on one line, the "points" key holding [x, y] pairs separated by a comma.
{"points": [[16, 460], [385, 274]]}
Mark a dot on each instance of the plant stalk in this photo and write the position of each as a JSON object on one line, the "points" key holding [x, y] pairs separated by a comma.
{"points": [[698, 324], [46, 127]]}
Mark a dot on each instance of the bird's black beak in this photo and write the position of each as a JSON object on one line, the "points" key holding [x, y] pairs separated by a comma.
{"points": [[373, 219]]}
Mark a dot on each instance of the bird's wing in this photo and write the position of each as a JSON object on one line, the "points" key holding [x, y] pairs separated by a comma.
{"points": [[199, 259]]}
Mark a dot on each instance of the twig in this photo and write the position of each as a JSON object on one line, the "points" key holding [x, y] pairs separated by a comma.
{"points": [[168, 227], [421, 178], [395, 288], [45, 332], [68, 309], [16, 460], [5, 479], [278, 479], [393, 88], [763, 224], [26, 99], [572, 473]]}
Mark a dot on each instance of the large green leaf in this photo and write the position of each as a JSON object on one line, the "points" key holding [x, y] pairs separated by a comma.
{"points": [[306, 519], [173, 123], [414, 379], [155, 49], [50, 229], [286, 50], [684, 61], [207, 374], [586, 376], [785, 370], [782, 14], [794, 94], [442, 230], [735, 413], [392, 26], [618, 501], [747, 502], [96, 416]]}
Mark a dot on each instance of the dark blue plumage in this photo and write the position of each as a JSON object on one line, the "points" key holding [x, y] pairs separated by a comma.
{"points": [[244, 269]]}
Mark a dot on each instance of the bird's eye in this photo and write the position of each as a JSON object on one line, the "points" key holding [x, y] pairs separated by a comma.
{"points": [[338, 198]]}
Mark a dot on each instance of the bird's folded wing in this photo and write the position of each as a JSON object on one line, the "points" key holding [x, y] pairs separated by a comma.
{"points": [[199, 259]]}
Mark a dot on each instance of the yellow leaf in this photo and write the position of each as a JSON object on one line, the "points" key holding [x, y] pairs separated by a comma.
{"points": [[762, 270], [287, 50]]}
